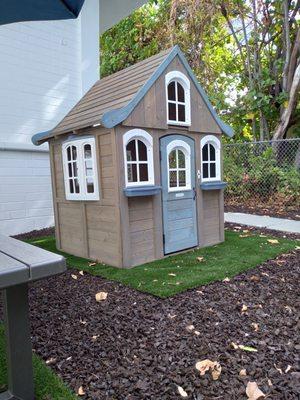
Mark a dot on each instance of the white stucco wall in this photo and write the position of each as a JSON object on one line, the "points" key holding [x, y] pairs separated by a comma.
{"points": [[45, 67]]}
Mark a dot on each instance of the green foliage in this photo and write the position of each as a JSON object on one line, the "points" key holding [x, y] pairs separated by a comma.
{"points": [[227, 259], [252, 173]]}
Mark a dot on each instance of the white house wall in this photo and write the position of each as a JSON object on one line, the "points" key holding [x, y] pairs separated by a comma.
{"points": [[45, 67]]}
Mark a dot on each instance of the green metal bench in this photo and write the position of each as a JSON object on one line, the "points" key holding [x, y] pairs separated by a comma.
{"points": [[21, 263]]}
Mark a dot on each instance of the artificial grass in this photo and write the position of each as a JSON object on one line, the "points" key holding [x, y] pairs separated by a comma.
{"points": [[237, 254], [48, 386]]}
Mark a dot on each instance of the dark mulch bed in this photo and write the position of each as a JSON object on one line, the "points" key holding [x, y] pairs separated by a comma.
{"points": [[264, 231], [36, 234], [272, 210], [142, 350]]}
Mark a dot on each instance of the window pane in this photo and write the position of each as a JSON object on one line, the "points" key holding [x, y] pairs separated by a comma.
{"points": [[205, 153], [172, 159], [180, 92], [172, 112], [74, 152], [132, 172], [88, 167], [142, 151], [75, 169], [76, 186], [182, 178], [87, 151], [71, 185], [171, 91], [181, 159], [130, 151], [90, 185], [143, 172], [212, 170], [70, 172], [205, 170], [181, 113], [69, 153], [173, 179], [212, 152]]}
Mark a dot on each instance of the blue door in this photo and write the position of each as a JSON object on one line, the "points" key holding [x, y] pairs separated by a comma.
{"points": [[178, 193]]}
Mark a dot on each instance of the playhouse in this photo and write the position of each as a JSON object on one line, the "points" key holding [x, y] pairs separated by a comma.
{"points": [[137, 166]]}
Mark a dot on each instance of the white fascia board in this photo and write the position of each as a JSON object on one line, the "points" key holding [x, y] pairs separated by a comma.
{"points": [[112, 11]]}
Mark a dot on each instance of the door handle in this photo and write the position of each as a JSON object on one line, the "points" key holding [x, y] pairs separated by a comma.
{"points": [[195, 193]]}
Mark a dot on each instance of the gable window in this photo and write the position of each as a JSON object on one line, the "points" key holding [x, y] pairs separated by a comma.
{"points": [[178, 99], [179, 165], [80, 169], [210, 158], [138, 158]]}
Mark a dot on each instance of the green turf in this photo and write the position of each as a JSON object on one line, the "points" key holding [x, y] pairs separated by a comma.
{"points": [[235, 255], [48, 386]]}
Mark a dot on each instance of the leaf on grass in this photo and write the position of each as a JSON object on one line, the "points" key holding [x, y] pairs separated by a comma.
{"points": [[226, 279], [155, 280], [92, 264], [244, 235], [273, 241], [297, 248], [80, 391], [182, 392], [101, 296], [243, 372], [206, 365], [74, 276], [171, 274], [200, 259], [253, 392]]}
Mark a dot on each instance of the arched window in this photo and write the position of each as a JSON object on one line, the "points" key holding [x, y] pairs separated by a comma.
{"points": [[138, 158], [178, 98], [80, 169], [179, 165], [210, 158]]}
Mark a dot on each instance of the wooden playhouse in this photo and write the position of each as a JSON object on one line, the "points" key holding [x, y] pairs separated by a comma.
{"points": [[137, 166]]}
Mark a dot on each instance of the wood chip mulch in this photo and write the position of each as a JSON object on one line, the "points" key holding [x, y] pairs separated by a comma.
{"points": [[134, 346]]}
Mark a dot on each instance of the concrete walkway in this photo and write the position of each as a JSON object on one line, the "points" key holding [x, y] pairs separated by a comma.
{"points": [[262, 221]]}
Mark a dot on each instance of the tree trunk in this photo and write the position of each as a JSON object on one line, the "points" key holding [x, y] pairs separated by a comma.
{"points": [[288, 111]]}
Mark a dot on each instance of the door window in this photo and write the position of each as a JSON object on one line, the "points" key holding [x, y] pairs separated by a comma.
{"points": [[179, 166]]}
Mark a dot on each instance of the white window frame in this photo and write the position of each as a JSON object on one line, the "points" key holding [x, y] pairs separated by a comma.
{"points": [[213, 140], [177, 76], [83, 195], [186, 149], [147, 139]]}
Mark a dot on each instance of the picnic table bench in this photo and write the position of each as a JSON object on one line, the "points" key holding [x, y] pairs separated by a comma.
{"points": [[21, 263]]}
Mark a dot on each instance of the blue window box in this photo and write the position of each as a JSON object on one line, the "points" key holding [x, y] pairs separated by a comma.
{"points": [[213, 185], [142, 191]]}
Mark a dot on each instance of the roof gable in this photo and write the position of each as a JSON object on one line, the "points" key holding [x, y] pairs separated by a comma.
{"points": [[112, 99]]}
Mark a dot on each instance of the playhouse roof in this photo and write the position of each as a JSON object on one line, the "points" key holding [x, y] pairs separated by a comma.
{"points": [[111, 99]]}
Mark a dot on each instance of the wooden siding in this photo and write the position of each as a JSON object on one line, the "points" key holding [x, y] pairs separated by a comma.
{"points": [[151, 112], [90, 229], [211, 217]]}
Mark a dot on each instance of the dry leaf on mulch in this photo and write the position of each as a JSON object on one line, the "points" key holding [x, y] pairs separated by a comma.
{"points": [[101, 296], [243, 372], [80, 391], [182, 392], [206, 365], [74, 276], [253, 392]]}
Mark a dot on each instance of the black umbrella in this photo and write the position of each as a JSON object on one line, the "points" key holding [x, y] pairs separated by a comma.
{"points": [[38, 10]]}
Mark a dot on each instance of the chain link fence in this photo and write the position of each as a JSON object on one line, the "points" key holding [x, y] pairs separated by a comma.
{"points": [[263, 175]]}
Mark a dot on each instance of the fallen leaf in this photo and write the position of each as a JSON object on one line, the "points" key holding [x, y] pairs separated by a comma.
{"points": [[288, 368], [273, 241], [95, 337], [82, 322], [190, 328], [81, 273], [226, 280], [255, 326], [247, 348], [74, 276], [234, 345], [244, 308], [197, 333], [101, 296], [270, 382], [182, 392], [51, 360], [245, 235], [255, 278], [200, 259], [278, 369], [253, 392], [265, 274], [69, 358], [171, 274], [172, 316], [243, 372], [297, 248], [155, 280], [206, 365], [80, 391], [91, 264]]}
